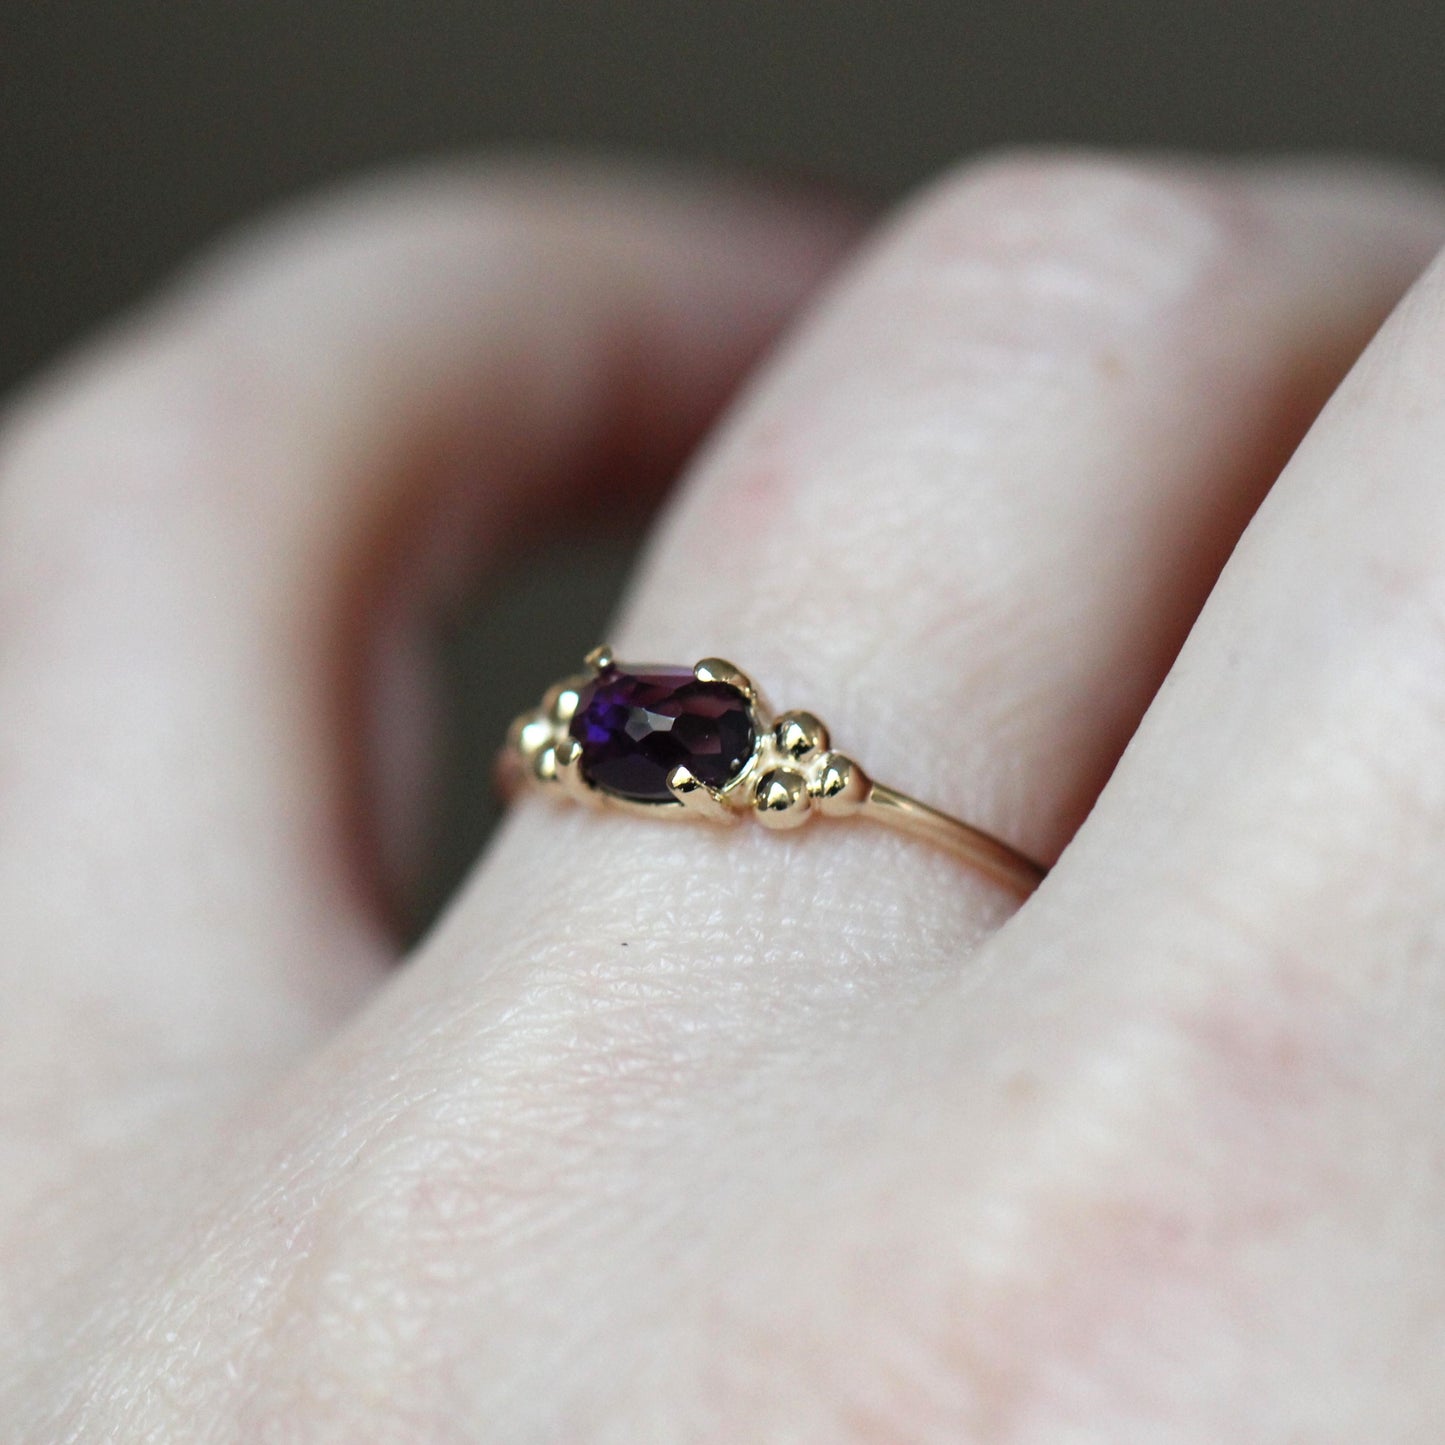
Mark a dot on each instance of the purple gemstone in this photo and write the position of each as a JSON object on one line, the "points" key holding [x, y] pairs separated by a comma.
{"points": [[636, 727]]}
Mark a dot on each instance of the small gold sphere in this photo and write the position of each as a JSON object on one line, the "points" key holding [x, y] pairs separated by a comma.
{"points": [[839, 785], [781, 798], [544, 764], [799, 735], [531, 734]]}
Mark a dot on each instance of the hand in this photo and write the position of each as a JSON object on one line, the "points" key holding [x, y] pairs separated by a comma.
{"points": [[673, 1134]]}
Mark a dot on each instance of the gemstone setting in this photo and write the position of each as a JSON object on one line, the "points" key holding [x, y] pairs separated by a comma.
{"points": [[635, 725]]}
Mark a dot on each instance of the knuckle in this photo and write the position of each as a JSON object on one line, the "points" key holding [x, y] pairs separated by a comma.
{"points": [[1104, 237]]}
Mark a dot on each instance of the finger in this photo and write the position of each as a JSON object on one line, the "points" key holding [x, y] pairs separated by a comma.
{"points": [[965, 520], [1223, 1020], [194, 522], [1293, 762]]}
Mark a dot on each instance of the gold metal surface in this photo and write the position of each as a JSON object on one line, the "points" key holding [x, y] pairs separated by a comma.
{"points": [[792, 775]]}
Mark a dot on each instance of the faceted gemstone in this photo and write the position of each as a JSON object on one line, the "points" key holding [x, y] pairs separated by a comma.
{"points": [[636, 727]]}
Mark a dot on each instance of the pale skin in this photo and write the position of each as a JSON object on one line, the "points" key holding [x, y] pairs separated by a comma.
{"points": [[674, 1134]]}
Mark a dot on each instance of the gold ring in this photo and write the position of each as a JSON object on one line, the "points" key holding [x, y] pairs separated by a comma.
{"points": [[676, 742]]}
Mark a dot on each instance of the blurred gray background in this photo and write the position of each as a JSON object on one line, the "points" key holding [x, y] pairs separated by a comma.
{"points": [[132, 130]]}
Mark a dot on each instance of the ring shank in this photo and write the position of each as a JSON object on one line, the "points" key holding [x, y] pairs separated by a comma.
{"points": [[981, 851]]}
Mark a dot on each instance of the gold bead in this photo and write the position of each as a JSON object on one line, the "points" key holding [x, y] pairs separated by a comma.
{"points": [[781, 798], [544, 765], [840, 786], [799, 735], [531, 734]]}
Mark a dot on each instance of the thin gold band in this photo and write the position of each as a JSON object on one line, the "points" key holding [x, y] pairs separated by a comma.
{"points": [[787, 772], [984, 853]]}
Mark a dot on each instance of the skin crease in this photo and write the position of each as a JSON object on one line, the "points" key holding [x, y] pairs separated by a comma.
{"points": [[692, 1136]]}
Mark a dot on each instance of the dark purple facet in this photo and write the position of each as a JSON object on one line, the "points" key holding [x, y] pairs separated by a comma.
{"points": [[636, 727]]}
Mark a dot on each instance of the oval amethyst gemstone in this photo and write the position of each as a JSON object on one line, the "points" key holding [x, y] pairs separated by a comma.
{"points": [[636, 727]]}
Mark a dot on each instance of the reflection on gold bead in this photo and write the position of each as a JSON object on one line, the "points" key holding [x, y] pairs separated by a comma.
{"points": [[781, 798], [799, 735], [840, 786], [532, 734], [544, 765]]}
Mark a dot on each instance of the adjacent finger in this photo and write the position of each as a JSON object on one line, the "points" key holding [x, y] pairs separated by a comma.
{"points": [[1287, 786], [196, 522]]}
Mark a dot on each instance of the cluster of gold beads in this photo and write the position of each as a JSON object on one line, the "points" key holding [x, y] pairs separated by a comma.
{"points": [[798, 772]]}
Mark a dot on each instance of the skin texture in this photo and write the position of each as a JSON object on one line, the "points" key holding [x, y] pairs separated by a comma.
{"points": [[712, 1137]]}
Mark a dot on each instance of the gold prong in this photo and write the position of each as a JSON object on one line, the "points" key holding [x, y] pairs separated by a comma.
{"points": [[567, 765], [697, 797], [600, 658], [560, 702], [718, 669]]}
